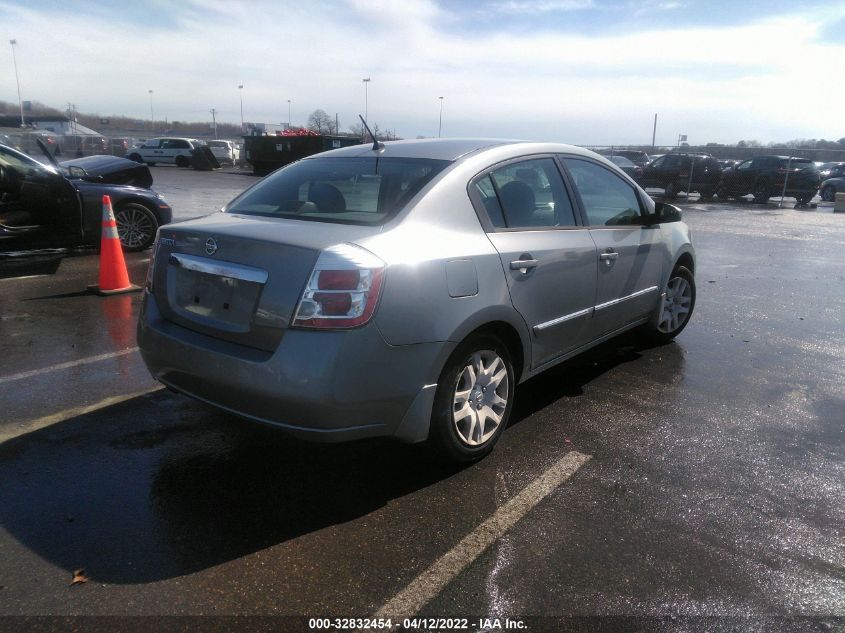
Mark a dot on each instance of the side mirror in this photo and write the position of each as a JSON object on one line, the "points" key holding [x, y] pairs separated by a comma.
{"points": [[664, 212]]}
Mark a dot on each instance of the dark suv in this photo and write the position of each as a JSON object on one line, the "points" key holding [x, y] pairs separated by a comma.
{"points": [[764, 177], [671, 173]]}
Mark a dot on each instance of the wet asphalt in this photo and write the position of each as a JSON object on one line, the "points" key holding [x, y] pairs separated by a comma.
{"points": [[714, 498]]}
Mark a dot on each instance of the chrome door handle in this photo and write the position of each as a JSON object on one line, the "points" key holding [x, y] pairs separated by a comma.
{"points": [[522, 265], [608, 256]]}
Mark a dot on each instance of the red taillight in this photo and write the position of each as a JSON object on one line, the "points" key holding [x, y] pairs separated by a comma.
{"points": [[334, 303], [338, 279], [342, 291]]}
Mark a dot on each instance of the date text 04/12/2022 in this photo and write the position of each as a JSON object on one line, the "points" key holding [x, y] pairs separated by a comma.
{"points": [[419, 624]]}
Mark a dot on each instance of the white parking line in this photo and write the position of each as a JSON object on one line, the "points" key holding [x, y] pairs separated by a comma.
{"points": [[54, 418], [433, 580], [24, 277], [67, 365]]}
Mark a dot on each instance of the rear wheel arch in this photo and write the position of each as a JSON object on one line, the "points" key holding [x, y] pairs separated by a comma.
{"points": [[506, 333]]}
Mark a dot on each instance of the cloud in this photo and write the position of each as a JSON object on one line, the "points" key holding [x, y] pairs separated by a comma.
{"points": [[717, 83], [540, 6]]}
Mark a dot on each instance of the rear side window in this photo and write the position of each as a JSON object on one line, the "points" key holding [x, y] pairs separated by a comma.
{"points": [[527, 194], [608, 200], [359, 190], [801, 163]]}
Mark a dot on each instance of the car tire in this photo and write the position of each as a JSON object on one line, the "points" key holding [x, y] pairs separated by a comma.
{"points": [[723, 193], [705, 194], [181, 161], [136, 157], [478, 377], [804, 197], [762, 192], [675, 309], [829, 193], [136, 226], [670, 191]]}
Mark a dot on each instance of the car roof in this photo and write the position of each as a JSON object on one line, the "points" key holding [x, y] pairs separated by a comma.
{"points": [[780, 157], [433, 148], [450, 149]]}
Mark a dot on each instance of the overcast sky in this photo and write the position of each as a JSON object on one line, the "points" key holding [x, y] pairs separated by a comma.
{"points": [[578, 71]]}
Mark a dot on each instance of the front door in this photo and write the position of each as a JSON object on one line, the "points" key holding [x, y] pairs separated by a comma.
{"points": [[35, 201], [549, 260], [629, 257]]}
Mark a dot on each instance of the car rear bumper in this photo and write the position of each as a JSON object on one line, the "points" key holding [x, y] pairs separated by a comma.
{"points": [[319, 385]]}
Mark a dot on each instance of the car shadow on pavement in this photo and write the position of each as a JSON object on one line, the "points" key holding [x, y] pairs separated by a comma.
{"points": [[568, 379], [160, 486], [25, 264]]}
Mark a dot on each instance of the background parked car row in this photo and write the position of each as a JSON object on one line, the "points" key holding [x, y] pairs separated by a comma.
{"points": [[760, 176]]}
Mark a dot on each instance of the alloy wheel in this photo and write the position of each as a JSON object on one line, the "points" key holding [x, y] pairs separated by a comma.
{"points": [[676, 305], [134, 226], [480, 397]]}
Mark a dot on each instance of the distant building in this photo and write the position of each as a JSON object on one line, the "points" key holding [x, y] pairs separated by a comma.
{"points": [[57, 124]]}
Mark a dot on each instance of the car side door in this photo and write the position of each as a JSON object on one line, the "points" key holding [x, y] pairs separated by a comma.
{"points": [[150, 151], [652, 171], [549, 259], [36, 199], [628, 251]]}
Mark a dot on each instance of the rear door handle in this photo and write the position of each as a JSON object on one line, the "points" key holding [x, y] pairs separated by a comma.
{"points": [[608, 256], [523, 265]]}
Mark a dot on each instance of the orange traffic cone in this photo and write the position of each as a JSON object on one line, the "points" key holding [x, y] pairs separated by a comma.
{"points": [[113, 276]]}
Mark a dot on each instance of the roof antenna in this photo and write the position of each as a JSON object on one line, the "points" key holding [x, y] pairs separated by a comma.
{"points": [[376, 145]]}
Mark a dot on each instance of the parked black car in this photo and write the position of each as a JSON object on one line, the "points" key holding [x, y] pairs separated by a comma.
{"points": [[61, 205], [831, 170], [630, 168], [830, 187], [764, 177], [638, 157], [671, 173], [110, 170]]}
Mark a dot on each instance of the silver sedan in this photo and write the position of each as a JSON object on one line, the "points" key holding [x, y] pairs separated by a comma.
{"points": [[404, 289]]}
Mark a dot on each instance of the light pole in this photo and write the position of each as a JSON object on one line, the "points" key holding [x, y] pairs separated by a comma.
{"points": [[440, 125], [13, 43], [214, 121], [366, 85], [241, 93], [288, 113], [152, 116]]}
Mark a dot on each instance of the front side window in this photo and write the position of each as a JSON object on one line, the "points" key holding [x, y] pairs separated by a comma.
{"points": [[608, 200], [18, 166], [152, 144], [746, 164], [527, 194], [360, 190]]}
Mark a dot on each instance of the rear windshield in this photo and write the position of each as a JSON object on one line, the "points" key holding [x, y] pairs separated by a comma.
{"points": [[360, 190], [217, 144]]}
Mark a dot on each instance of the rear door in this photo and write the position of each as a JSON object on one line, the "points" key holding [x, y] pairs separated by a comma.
{"points": [[629, 260], [549, 260]]}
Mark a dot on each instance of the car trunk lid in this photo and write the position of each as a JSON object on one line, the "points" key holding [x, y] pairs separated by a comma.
{"points": [[240, 278]]}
